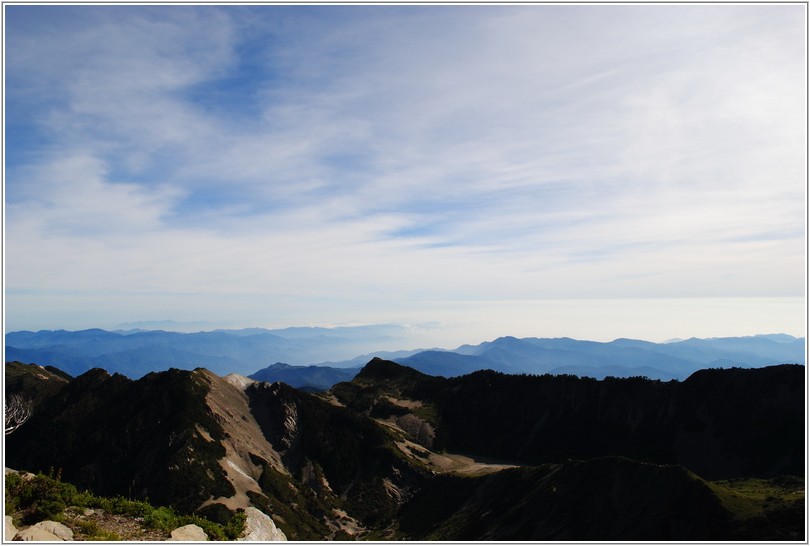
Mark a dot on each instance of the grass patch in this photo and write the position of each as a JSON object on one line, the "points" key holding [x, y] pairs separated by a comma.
{"points": [[93, 532], [748, 498], [771, 509]]}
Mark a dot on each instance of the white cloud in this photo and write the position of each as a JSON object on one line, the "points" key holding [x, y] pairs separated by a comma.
{"points": [[530, 152]]}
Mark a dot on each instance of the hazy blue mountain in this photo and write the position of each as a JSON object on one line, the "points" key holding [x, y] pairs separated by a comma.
{"points": [[362, 360], [447, 363], [557, 356], [319, 378], [753, 350], [135, 353], [621, 357]]}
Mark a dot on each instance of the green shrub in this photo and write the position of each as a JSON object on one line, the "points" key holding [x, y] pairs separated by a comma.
{"points": [[50, 509], [85, 499], [127, 507], [12, 496], [89, 528], [161, 518], [43, 497], [213, 530], [216, 512], [236, 525]]}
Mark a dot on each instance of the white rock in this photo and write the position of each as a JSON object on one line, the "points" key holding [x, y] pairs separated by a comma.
{"points": [[189, 533], [62, 531], [9, 530], [37, 534], [259, 527], [239, 381]]}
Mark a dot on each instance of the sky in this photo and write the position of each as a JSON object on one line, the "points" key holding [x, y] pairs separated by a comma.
{"points": [[592, 171]]}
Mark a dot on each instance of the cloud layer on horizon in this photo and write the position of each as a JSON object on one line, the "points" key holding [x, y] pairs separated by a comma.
{"points": [[326, 161]]}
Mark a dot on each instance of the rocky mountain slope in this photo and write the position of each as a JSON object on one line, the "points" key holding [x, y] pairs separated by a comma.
{"points": [[380, 457], [33, 382], [199, 442]]}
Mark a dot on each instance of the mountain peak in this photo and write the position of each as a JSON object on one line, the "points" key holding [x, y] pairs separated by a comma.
{"points": [[377, 368]]}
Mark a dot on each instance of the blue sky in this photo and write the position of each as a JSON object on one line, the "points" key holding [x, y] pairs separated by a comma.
{"points": [[483, 169]]}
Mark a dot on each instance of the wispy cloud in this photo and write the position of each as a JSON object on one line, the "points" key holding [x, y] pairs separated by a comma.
{"points": [[336, 159]]}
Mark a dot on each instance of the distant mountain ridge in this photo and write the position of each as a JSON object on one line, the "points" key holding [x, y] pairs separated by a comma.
{"points": [[137, 353], [621, 357]]}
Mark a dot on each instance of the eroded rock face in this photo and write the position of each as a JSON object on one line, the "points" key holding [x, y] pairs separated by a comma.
{"points": [[259, 527], [276, 412], [189, 533], [244, 442]]}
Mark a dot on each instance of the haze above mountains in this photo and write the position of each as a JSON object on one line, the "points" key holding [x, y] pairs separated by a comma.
{"points": [[320, 357]]}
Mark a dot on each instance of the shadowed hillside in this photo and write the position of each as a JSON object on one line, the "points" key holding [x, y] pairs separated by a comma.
{"points": [[603, 499]]}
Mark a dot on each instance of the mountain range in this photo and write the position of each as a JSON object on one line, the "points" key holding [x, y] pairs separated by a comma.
{"points": [[333, 353], [565, 356], [135, 353], [398, 454]]}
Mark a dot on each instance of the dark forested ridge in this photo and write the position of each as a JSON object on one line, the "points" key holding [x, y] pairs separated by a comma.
{"points": [[718, 456], [717, 423]]}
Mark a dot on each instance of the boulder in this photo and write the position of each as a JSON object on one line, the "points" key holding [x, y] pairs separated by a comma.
{"points": [[62, 531], [37, 534], [9, 530], [259, 527], [189, 533]]}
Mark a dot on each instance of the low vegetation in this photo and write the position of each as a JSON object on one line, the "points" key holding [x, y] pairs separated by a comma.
{"points": [[764, 509], [29, 499]]}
